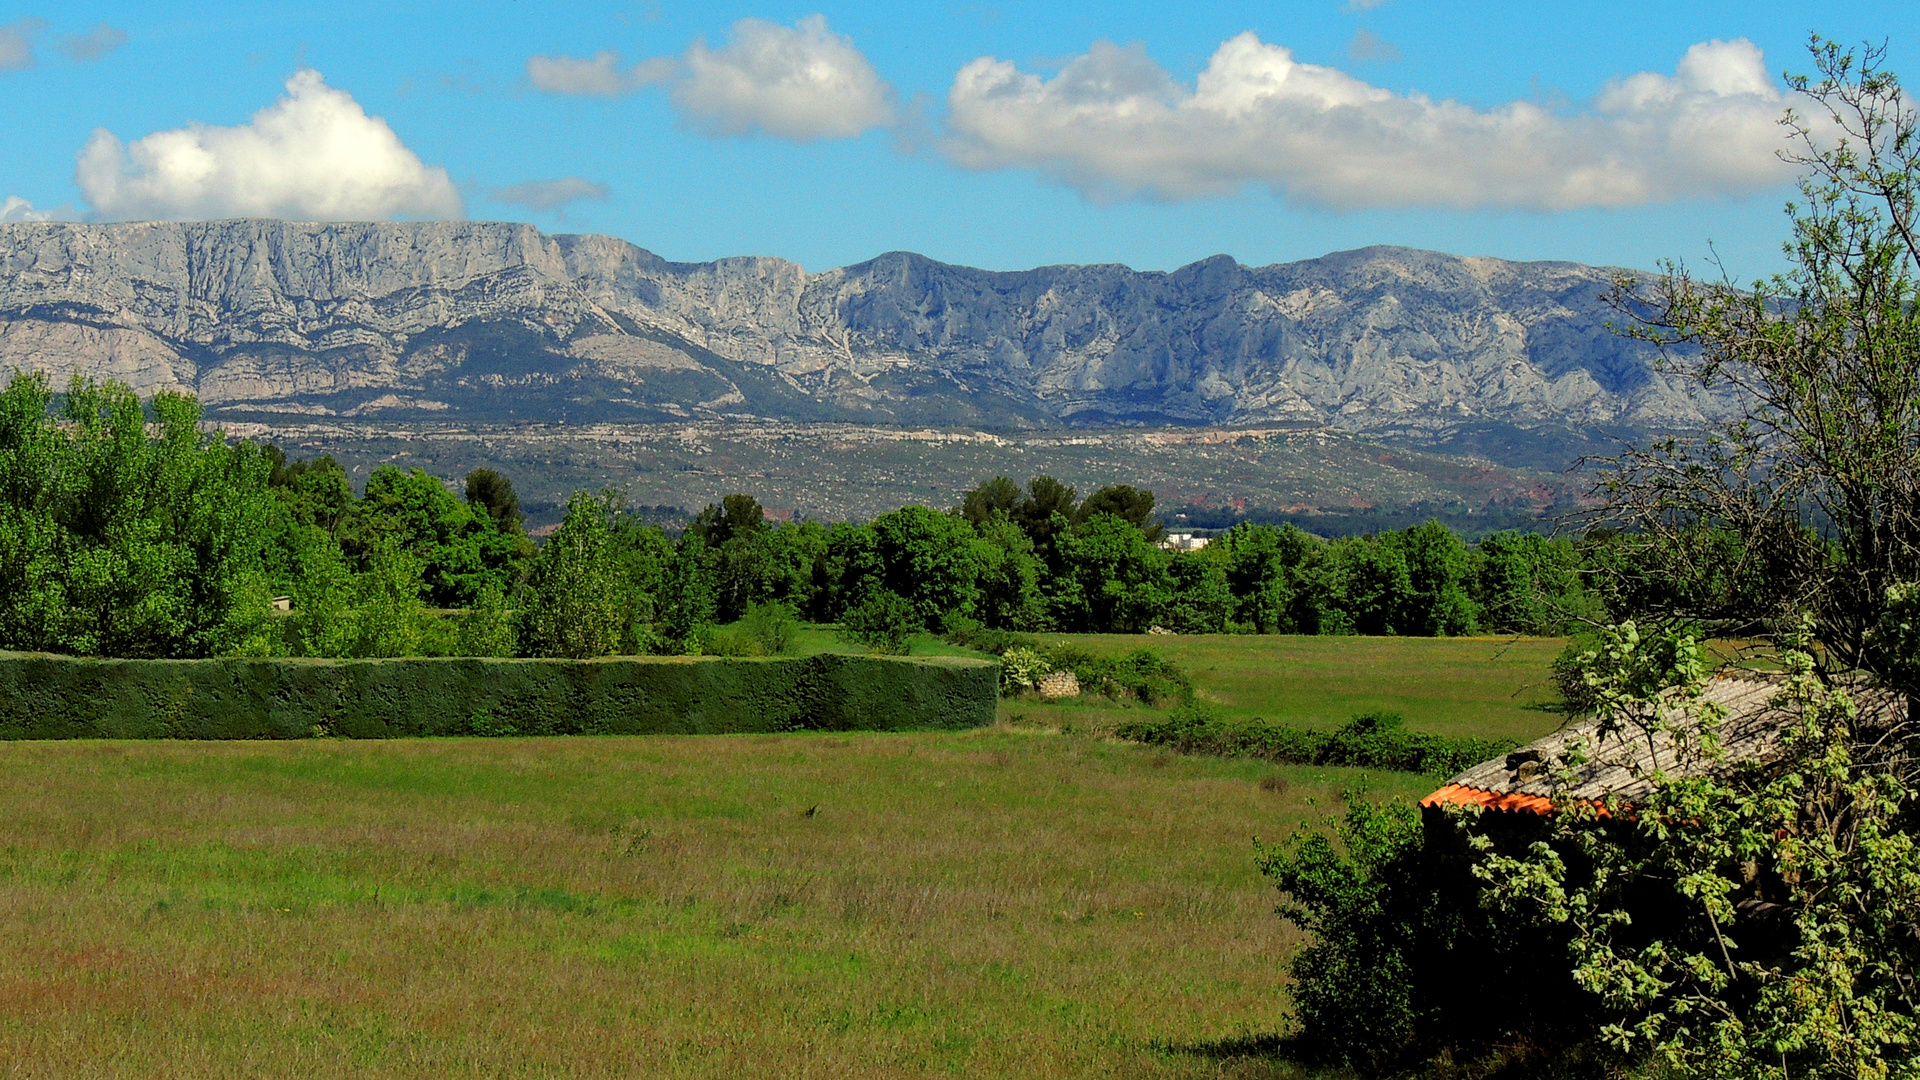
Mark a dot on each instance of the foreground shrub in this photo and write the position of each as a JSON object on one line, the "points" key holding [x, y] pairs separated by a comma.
{"points": [[1021, 670], [1141, 675], [1402, 962], [1743, 919]]}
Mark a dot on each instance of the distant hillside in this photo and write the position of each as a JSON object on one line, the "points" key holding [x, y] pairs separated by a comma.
{"points": [[492, 323]]}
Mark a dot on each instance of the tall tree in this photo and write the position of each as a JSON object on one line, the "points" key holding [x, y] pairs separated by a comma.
{"points": [[999, 495], [1126, 502], [1819, 478], [491, 491], [574, 604]]}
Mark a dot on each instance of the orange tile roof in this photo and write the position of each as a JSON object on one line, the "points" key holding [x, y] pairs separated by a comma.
{"points": [[1492, 800]]}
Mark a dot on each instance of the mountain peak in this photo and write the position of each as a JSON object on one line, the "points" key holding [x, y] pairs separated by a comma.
{"points": [[497, 320]]}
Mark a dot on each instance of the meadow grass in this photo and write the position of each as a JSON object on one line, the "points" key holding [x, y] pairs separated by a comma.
{"points": [[1463, 687], [1458, 687], [1003, 903]]}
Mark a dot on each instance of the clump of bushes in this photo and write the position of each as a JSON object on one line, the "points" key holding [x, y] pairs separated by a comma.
{"points": [[1375, 740], [1022, 669], [765, 630], [970, 634], [884, 624], [1140, 676]]}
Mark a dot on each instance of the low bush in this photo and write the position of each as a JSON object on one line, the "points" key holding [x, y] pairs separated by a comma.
{"points": [[884, 624], [1371, 740], [1142, 675], [774, 627], [727, 641], [970, 634]]}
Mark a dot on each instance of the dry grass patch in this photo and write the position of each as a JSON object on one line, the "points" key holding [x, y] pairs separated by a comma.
{"points": [[984, 904]]}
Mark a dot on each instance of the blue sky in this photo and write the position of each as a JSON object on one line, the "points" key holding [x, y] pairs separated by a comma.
{"points": [[1118, 132]]}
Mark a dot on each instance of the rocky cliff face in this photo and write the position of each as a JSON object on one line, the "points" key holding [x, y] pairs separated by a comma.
{"points": [[493, 321]]}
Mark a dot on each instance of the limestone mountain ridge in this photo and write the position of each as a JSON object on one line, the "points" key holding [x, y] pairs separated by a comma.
{"points": [[499, 322]]}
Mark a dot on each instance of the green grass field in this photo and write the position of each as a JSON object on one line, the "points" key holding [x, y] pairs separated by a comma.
{"points": [[988, 904], [1011, 902], [1488, 687]]}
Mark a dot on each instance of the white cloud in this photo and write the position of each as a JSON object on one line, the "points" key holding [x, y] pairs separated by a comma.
{"points": [[16, 43], [1113, 124], [93, 44], [314, 155], [16, 208], [800, 82], [599, 75], [551, 194]]}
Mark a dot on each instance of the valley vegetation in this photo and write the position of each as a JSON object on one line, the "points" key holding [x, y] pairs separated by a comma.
{"points": [[126, 530]]}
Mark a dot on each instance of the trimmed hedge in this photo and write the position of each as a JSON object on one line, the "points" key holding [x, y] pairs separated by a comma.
{"points": [[63, 697], [1372, 740]]}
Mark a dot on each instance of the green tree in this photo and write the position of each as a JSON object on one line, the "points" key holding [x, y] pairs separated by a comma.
{"points": [[487, 627], [389, 619], [1817, 478], [1047, 514], [155, 541], [323, 618], [574, 605], [736, 516], [1438, 567], [1524, 583], [1371, 587], [1265, 570], [793, 558], [1131, 504], [33, 608], [1199, 599], [492, 492], [883, 622], [1010, 595], [930, 559], [686, 604], [459, 544], [1121, 578], [999, 495]]}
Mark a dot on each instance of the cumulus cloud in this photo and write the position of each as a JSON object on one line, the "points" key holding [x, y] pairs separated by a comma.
{"points": [[19, 209], [800, 82], [551, 194], [314, 155], [93, 44], [599, 75], [1114, 124], [16, 43]]}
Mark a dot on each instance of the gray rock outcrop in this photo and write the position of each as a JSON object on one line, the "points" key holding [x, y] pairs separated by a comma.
{"points": [[494, 321]]}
